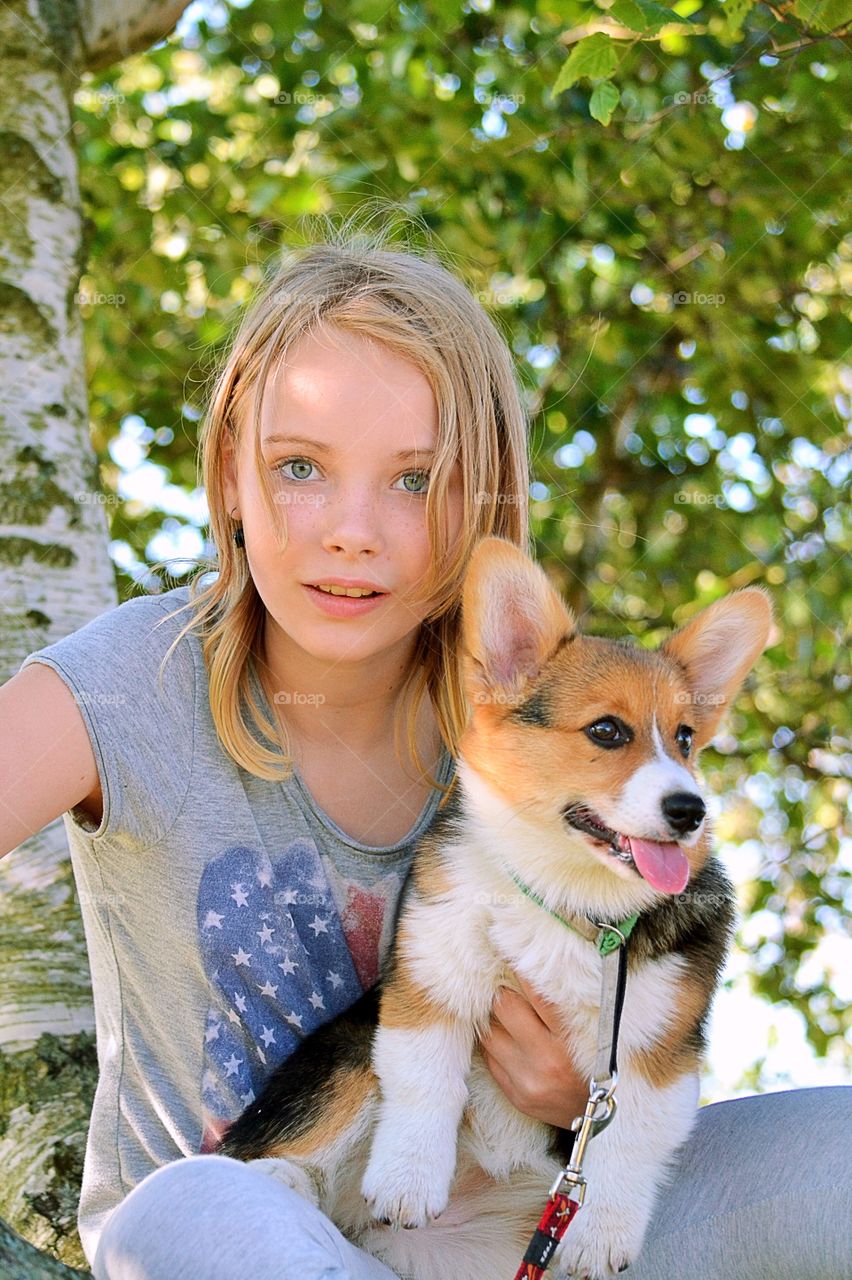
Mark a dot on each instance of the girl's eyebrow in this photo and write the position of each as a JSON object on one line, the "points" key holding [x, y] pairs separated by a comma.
{"points": [[325, 448]]}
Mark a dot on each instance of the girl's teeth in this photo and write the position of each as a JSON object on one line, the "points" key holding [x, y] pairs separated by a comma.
{"points": [[355, 592]]}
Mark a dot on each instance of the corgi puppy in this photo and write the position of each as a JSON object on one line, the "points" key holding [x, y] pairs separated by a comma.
{"points": [[576, 776]]}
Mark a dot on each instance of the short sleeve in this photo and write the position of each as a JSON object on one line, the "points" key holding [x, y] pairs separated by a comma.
{"points": [[141, 730]]}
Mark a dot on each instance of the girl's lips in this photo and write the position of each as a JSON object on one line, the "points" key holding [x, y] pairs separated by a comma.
{"points": [[343, 606]]}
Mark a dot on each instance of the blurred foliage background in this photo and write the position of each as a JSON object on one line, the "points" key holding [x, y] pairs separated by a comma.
{"points": [[650, 202]]}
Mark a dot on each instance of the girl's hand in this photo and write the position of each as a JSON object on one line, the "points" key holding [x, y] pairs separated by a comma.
{"points": [[525, 1052]]}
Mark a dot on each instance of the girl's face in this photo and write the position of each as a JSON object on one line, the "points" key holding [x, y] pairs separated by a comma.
{"points": [[354, 509]]}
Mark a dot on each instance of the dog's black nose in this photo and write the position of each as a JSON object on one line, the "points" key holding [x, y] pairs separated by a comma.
{"points": [[683, 811]]}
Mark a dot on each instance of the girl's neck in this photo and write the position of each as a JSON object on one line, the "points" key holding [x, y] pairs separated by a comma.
{"points": [[343, 711]]}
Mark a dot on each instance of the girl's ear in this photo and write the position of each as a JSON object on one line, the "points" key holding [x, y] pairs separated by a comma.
{"points": [[717, 649], [229, 471]]}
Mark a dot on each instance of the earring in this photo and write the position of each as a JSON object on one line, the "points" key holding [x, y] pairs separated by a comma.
{"points": [[239, 536]]}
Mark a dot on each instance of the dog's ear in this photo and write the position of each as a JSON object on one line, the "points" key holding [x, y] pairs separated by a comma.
{"points": [[513, 621], [717, 648]]}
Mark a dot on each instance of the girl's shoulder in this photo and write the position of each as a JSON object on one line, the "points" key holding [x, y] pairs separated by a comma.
{"points": [[126, 658], [130, 632], [137, 693]]}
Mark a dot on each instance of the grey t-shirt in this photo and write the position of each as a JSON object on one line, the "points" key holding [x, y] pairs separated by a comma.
{"points": [[226, 917]]}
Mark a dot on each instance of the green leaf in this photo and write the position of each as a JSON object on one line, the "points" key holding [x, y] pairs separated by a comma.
{"points": [[824, 15], [642, 15], [628, 13], [593, 56], [603, 101], [736, 12]]}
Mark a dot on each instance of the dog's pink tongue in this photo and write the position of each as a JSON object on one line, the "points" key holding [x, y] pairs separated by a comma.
{"points": [[663, 865]]}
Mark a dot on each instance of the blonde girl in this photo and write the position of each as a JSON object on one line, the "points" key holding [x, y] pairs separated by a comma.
{"points": [[244, 764]]}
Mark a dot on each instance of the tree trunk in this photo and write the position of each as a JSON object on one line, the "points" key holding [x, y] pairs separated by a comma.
{"points": [[19, 1260], [55, 575]]}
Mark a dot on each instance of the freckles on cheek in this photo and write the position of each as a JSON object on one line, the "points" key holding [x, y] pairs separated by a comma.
{"points": [[301, 520]]}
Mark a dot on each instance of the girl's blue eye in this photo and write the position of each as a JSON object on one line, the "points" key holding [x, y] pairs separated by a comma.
{"points": [[304, 462], [424, 474], [298, 462]]}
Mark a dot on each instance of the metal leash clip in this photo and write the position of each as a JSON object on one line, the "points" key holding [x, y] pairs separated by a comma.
{"points": [[586, 1126]]}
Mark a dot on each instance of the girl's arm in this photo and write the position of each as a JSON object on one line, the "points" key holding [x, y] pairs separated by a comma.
{"points": [[47, 765]]}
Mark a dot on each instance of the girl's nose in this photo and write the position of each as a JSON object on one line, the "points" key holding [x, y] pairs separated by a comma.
{"points": [[351, 520]]}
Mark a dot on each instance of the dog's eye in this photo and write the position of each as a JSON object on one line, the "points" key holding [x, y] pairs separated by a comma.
{"points": [[683, 738], [609, 732]]}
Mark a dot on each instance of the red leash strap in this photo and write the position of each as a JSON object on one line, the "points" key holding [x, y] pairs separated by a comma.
{"points": [[560, 1208], [552, 1225]]}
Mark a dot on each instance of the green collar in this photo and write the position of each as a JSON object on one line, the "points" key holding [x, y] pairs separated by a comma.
{"points": [[606, 938]]}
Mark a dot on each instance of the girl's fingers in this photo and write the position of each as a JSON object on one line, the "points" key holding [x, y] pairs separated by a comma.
{"points": [[546, 1011]]}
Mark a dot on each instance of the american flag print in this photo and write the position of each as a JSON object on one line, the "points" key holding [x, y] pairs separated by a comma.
{"points": [[366, 918], [276, 951]]}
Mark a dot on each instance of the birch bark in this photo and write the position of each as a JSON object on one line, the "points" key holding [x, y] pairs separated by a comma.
{"points": [[55, 575]]}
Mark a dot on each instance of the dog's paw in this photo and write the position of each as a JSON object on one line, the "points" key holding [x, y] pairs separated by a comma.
{"points": [[289, 1175], [405, 1193], [601, 1241]]}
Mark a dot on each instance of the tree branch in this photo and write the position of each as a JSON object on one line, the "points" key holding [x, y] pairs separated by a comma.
{"points": [[110, 30], [19, 1260]]}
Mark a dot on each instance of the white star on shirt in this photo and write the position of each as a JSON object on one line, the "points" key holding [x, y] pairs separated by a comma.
{"points": [[239, 895], [319, 926], [233, 1064], [267, 1035], [264, 878], [268, 990], [240, 1002], [246, 1098], [295, 1019], [288, 965], [241, 957], [212, 1033], [213, 920], [335, 979], [233, 1017], [316, 1000], [265, 934], [289, 898]]}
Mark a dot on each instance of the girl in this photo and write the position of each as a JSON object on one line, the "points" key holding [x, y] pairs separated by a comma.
{"points": [[254, 783]]}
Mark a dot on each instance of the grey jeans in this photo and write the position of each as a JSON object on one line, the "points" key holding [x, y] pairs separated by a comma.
{"points": [[763, 1191]]}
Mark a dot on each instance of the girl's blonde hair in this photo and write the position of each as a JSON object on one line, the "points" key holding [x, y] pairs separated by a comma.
{"points": [[407, 300]]}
